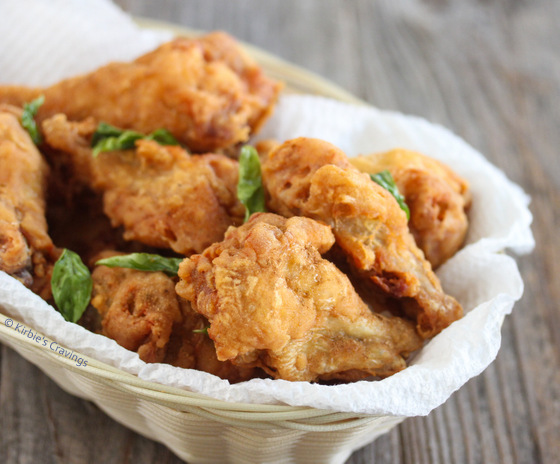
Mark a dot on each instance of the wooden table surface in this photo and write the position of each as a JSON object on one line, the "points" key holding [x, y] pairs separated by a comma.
{"points": [[489, 71]]}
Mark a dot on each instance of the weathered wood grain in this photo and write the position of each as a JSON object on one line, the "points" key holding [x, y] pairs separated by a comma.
{"points": [[490, 71]]}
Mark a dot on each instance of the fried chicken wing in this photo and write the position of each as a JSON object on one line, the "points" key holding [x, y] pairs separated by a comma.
{"points": [[206, 91], [161, 195], [437, 197], [26, 250], [273, 301], [141, 312], [310, 177]]}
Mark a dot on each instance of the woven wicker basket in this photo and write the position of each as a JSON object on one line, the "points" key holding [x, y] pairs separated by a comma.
{"points": [[197, 428]]}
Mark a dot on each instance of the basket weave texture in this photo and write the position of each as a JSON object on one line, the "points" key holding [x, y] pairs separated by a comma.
{"points": [[200, 429]]}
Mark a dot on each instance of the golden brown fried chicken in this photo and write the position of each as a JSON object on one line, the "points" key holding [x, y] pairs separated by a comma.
{"points": [[437, 197], [141, 312], [264, 147], [26, 250], [196, 350], [274, 302], [310, 177], [161, 195], [138, 309], [206, 91]]}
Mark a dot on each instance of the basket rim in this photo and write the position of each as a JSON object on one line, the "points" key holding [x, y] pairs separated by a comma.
{"points": [[232, 413]]}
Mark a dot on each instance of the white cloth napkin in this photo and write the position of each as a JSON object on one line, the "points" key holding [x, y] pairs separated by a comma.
{"points": [[484, 279]]}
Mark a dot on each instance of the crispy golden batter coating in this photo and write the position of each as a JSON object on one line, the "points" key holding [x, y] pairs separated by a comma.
{"points": [[310, 177], [141, 312], [196, 350], [437, 197], [274, 302], [206, 91], [16, 95], [138, 309], [26, 250], [161, 195], [264, 147]]}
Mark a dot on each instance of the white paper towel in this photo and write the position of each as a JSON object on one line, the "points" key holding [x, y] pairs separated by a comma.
{"points": [[485, 281], [44, 41]]}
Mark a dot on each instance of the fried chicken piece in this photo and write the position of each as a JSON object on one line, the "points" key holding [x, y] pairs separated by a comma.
{"points": [[161, 195], [26, 250], [310, 177], [274, 302], [196, 350], [437, 197], [264, 147], [138, 309], [142, 313], [206, 91], [81, 226]]}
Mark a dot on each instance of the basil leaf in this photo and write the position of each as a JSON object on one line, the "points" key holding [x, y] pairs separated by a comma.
{"points": [[71, 285], [203, 331], [250, 190], [385, 179], [143, 262], [125, 141], [104, 131], [28, 119], [109, 138], [163, 137]]}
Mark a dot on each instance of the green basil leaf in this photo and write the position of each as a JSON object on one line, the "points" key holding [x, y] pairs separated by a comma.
{"points": [[203, 331], [28, 119], [385, 179], [71, 285], [250, 190], [104, 131], [143, 262], [163, 137], [110, 138], [125, 141]]}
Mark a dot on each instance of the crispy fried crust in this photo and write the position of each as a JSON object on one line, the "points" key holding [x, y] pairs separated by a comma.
{"points": [[26, 250], [141, 312], [437, 197], [274, 302], [161, 195], [310, 177], [206, 91], [138, 309]]}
